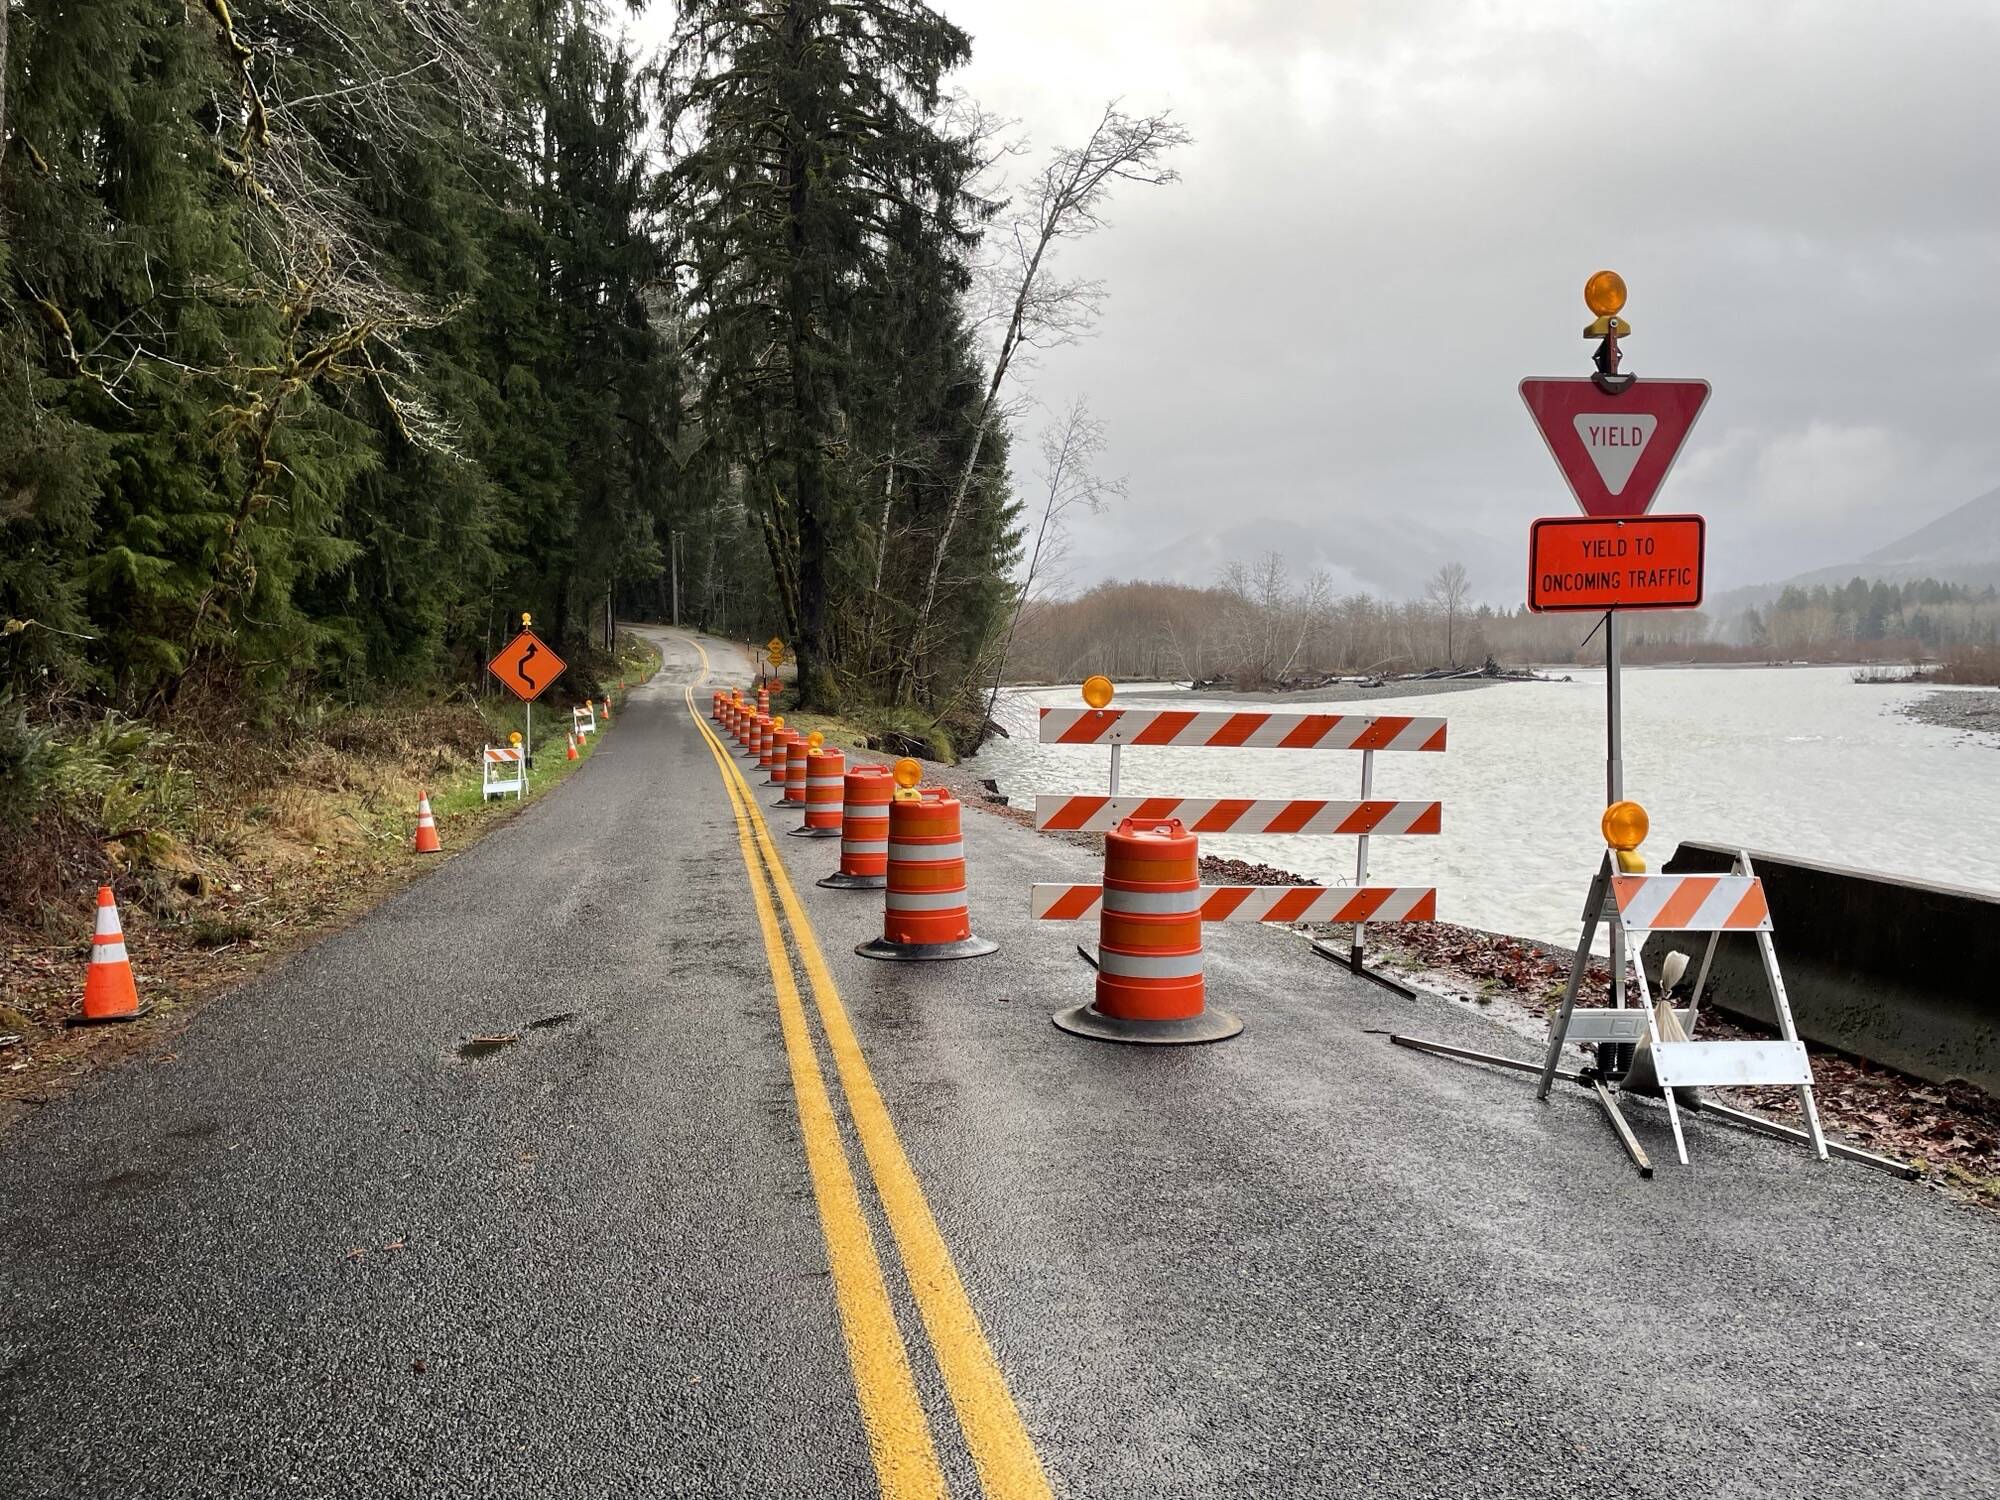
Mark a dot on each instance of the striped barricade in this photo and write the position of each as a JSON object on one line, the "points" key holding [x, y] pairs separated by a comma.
{"points": [[1240, 814], [1363, 818], [1669, 1057], [1260, 903], [1239, 731], [1691, 903], [583, 721], [504, 772]]}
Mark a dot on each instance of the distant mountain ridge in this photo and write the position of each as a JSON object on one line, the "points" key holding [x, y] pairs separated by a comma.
{"points": [[1960, 546]]}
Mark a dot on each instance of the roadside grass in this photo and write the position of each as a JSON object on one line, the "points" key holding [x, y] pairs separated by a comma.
{"points": [[228, 848]]}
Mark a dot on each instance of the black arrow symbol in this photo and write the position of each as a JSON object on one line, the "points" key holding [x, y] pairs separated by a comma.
{"points": [[521, 666]]}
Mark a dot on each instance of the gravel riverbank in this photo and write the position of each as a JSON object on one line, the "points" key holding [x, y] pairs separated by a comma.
{"points": [[1974, 711]]}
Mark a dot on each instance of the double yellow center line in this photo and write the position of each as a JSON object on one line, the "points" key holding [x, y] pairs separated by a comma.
{"points": [[892, 1415]]}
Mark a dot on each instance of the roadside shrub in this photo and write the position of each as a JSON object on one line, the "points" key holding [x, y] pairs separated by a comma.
{"points": [[1970, 666]]}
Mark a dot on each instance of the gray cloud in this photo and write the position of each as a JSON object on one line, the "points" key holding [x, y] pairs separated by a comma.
{"points": [[1314, 339], [1387, 219]]}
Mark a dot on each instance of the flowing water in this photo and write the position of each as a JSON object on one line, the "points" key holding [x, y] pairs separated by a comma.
{"points": [[1801, 761]]}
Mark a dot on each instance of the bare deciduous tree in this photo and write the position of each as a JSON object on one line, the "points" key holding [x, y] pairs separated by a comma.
{"points": [[1069, 446], [1447, 590], [1040, 311]]}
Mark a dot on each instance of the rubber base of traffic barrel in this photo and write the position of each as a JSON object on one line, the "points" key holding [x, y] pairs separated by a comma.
{"points": [[972, 947], [817, 833], [840, 882], [1211, 1025], [788, 802]]}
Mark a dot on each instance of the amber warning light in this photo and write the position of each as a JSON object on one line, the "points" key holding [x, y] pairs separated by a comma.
{"points": [[1640, 562]]}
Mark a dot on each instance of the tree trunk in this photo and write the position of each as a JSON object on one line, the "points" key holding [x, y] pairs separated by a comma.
{"points": [[881, 557], [3, 108], [809, 496]]}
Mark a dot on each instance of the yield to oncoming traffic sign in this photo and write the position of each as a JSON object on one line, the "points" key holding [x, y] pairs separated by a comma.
{"points": [[1615, 450], [1637, 562]]}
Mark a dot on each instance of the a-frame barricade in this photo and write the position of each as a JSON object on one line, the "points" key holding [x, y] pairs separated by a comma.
{"points": [[1670, 1059]]}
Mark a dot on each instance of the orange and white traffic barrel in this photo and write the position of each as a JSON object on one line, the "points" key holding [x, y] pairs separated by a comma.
{"points": [[763, 700], [773, 759], [715, 706], [925, 914], [761, 739], [771, 750], [864, 830], [1149, 977], [793, 774], [825, 781]]}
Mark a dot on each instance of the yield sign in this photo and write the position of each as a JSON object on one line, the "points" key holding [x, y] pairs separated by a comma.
{"points": [[1614, 450], [526, 666]]}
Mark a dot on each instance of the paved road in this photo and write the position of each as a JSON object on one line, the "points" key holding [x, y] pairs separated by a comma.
{"points": [[823, 1227]]}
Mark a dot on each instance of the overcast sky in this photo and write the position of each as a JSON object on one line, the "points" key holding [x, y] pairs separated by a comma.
{"points": [[1313, 340]]}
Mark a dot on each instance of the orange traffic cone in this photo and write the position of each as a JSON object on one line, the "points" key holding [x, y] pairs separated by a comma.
{"points": [[607, 708], [572, 747], [108, 991], [427, 829]]}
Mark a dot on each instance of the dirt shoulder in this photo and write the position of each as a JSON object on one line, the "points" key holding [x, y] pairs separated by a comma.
{"points": [[263, 853]]}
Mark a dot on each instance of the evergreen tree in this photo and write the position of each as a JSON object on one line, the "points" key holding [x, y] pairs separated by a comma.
{"points": [[815, 133]]}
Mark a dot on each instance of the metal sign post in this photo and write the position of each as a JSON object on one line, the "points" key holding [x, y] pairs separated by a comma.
{"points": [[1614, 438], [1614, 792], [1355, 951]]}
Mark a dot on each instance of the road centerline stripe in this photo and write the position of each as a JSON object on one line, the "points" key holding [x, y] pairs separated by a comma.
{"points": [[892, 1414], [1002, 1452]]}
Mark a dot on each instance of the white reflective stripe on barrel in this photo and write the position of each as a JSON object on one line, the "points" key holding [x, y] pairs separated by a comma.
{"points": [[1146, 965], [925, 900], [824, 780], [926, 854], [1153, 903], [864, 846], [109, 953]]}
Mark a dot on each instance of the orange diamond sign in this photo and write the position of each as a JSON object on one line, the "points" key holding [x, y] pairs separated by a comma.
{"points": [[526, 666]]}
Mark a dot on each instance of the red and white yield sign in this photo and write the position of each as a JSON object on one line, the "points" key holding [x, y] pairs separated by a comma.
{"points": [[1614, 450]]}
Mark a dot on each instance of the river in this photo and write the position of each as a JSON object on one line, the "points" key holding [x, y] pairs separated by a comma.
{"points": [[1797, 760]]}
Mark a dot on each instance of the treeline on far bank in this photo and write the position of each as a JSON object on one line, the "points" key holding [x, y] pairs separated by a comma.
{"points": [[1259, 626]]}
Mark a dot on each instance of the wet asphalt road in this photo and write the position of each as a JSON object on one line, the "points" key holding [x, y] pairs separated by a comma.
{"points": [[1302, 1262]]}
